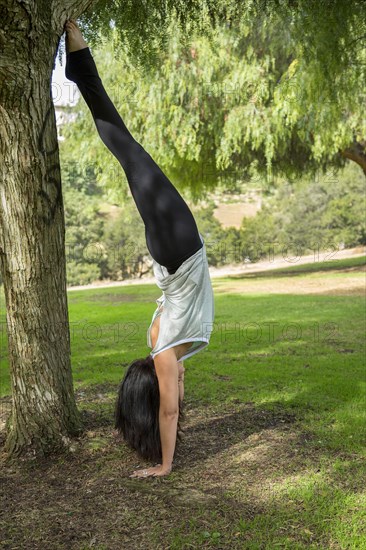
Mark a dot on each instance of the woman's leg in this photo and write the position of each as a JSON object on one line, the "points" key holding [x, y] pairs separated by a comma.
{"points": [[171, 231]]}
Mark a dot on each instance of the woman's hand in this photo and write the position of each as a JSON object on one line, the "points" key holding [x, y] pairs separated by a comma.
{"points": [[155, 471]]}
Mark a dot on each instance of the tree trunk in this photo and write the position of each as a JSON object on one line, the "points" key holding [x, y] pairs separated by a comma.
{"points": [[32, 232], [357, 153]]}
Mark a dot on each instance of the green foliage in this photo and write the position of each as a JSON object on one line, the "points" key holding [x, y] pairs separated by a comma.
{"points": [[84, 228], [144, 30], [309, 216], [212, 232], [99, 246], [258, 234], [81, 272], [345, 218], [329, 33], [302, 110], [125, 245], [258, 94]]}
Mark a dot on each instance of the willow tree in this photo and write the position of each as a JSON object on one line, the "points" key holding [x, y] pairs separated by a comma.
{"points": [[270, 95]]}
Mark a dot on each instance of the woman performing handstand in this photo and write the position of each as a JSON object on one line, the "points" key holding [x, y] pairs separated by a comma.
{"points": [[150, 396]]}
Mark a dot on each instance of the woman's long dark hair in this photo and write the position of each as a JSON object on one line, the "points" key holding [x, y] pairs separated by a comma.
{"points": [[137, 410]]}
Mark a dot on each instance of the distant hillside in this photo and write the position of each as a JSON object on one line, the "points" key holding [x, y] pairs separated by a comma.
{"points": [[230, 209], [232, 214]]}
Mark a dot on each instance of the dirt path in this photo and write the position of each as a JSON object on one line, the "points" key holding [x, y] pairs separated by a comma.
{"points": [[241, 269]]}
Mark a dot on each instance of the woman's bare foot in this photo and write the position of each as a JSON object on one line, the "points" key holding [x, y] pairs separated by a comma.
{"points": [[74, 38]]}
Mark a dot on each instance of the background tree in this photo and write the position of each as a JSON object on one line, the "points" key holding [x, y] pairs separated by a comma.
{"points": [[270, 94], [125, 245], [308, 216], [85, 254]]}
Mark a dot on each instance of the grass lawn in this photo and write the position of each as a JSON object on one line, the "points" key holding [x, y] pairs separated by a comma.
{"points": [[273, 454]]}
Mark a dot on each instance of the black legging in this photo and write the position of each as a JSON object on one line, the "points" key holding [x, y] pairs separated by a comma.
{"points": [[170, 228]]}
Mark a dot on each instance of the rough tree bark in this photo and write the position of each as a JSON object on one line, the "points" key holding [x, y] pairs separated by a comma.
{"points": [[357, 153], [32, 229]]}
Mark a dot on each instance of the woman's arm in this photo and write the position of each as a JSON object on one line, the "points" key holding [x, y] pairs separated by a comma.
{"points": [[167, 373], [171, 389]]}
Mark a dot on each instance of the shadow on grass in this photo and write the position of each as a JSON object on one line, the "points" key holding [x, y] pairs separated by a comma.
{"points": [[243, 477]]}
